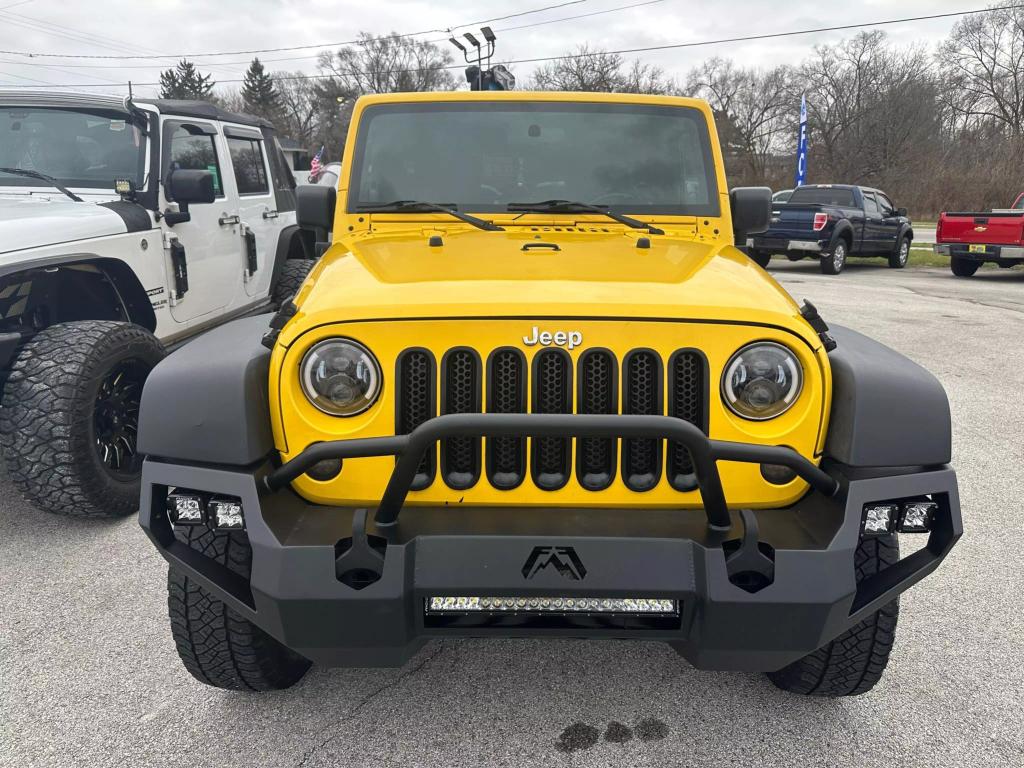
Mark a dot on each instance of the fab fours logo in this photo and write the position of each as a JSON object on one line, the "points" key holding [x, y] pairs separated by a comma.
{"points": [[562, 559]]}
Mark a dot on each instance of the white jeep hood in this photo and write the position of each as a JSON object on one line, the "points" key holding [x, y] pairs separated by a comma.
{"points": [[32, 221]]}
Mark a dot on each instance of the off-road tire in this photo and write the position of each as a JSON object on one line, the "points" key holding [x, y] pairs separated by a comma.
{"points": [[216, 645], [47, 422], [963, 267], [833, 263], [761, 258], [293, 273], [852, 663], [898, 259]]}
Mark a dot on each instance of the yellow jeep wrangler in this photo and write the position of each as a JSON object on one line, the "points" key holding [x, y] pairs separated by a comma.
{"points": [[533, 390]]}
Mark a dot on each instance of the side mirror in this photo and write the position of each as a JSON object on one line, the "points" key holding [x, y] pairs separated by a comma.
{"points": [[751, 209], [185, 187], [314, 211], [901, 212]]}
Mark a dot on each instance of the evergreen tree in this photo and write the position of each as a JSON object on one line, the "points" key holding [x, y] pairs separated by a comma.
{"points": [[185, 82], [260, 95]]}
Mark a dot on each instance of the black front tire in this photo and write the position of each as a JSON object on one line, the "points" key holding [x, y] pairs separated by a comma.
{"points": [[293, 274], [854, 662], [898, 259], [218, 646], [761, 258], [833, 263], [68, 442], [963, 267]]}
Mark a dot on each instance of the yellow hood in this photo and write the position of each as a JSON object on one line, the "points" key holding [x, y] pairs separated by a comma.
{"points": [[597, 272]]}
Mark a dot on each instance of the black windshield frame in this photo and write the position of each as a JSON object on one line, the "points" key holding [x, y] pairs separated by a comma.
{"points": [[712, 208]]}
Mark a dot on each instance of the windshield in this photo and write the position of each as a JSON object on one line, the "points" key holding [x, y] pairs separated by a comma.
{"points": [[482, 156], [79, 148], [1019, 205], [823, 196]]}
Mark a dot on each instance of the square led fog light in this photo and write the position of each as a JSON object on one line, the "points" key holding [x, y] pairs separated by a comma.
{"points": [[186, 507], [880, 519], [917, 516], [226, 513]]}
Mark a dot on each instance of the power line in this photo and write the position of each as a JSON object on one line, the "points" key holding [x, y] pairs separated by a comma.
{"points": [[645, 49], [289, 48], [500, 30]]}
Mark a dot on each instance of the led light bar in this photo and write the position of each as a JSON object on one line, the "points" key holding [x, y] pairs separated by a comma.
{"points": [[640, 605]]}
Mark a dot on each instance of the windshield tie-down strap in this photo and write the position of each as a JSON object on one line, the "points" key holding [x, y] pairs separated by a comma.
{"points": [[810, 314]]}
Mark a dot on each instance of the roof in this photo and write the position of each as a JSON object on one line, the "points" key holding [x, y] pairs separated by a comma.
{"points": [[189, 108], [183, 107], [40, 98]]}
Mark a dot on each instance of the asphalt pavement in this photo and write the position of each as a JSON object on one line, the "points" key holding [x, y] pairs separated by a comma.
{"points": [[89, 675]]}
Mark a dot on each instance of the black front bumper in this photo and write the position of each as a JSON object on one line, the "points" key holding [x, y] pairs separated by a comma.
{"points": [[804, 591]]}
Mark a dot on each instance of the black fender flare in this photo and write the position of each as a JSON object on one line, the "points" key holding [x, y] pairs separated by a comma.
{"points": [[208, 401], [887, 411], [906, 230], [124, 281], [290, 235]]}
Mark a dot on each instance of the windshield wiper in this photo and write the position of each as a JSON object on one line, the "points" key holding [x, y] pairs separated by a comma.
{"points": [[407, 206], [570, 206], [42, 177]]}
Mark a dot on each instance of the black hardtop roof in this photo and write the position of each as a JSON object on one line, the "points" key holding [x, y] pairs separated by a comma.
{"points": [[841, 186], [189, 108]]}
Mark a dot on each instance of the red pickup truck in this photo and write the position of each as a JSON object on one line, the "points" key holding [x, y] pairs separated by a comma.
{"points": [[969, 239]]}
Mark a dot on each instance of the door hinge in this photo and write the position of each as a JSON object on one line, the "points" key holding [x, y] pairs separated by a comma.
{"points": [[251, 264], [179, 268]]}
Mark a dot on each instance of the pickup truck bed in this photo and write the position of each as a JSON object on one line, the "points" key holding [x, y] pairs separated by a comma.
{"points": [[972, 238]]}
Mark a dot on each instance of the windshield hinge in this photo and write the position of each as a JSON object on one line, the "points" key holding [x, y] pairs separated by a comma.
{"points": [[810, 314]]}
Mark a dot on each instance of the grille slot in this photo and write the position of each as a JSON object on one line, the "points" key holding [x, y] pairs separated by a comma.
{"points": [[598, 393], [551, 457], [506, 393], [415, 403], [460, 393], [687, 400], [642, 396]]}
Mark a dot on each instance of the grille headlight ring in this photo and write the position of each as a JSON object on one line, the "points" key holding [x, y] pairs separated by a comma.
{"points": [[762, 381], [340, 377]]}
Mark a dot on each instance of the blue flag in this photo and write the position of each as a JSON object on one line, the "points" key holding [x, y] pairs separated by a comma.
{"points": [[801, 148]]}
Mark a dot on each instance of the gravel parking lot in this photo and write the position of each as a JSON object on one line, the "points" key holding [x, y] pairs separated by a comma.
{"points": [[89, 676]]}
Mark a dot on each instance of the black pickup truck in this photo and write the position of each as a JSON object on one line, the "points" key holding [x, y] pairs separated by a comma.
{"points": [[831, 222]]}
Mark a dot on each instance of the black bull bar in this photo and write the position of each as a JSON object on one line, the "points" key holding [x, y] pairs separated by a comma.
{"points": [[410, 449]]}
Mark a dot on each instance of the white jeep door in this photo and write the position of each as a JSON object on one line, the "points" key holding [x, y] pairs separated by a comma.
{"points": [[256, 207], [211, 238]]}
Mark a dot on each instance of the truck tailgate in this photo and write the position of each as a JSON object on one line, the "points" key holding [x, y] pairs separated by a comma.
{"points": [[795, 222], [1002, 228]]}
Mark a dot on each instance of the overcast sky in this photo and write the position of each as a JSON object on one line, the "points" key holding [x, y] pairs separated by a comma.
{"points": [[175, 27]]}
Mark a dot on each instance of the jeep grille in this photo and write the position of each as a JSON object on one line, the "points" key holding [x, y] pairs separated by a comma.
{"points": [[549, 385]]}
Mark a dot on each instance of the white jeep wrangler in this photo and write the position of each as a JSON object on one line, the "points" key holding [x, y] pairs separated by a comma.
{"points": [[125, 226]]}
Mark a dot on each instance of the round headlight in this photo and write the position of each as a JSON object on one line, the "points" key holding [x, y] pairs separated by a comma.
{"points": [[340, 377], [762, 381]]}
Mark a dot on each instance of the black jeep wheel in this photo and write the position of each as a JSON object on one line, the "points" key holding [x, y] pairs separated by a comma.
{"points": [[70, 416], [761, 258], [293, 273], [963, 267], [217, 645], [898, 258], [853, 662], [833, 263]]}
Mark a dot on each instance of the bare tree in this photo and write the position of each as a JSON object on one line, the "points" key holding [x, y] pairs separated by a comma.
{"points": [[754, 111], [982, 64], [587, 69], [388, 64]]}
